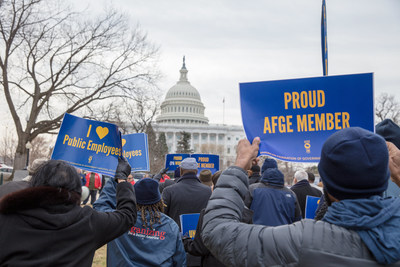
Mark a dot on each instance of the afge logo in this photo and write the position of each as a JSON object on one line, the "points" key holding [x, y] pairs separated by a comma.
{"points": [[307, 146]]}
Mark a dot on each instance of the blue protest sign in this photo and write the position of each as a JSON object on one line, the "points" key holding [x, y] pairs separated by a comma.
{"points": [[172, 161], [293, 118], [88, 144], [135, 149], [311, 206], [207, 162], [189, 224]]}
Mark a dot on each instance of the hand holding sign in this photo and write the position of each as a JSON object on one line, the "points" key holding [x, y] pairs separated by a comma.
{"points": [[123, 169], [246, 153], [394, 163]]}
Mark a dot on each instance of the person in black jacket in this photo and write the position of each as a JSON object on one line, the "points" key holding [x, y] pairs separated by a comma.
{"points": [[302, 188], [187, 195], [44, 225]]}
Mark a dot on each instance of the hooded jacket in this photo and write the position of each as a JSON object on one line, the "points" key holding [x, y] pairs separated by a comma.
{"points": [[140, 246], [45, 226], [272, 203], [304, 243]]}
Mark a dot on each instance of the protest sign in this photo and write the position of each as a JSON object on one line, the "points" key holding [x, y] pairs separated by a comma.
{"points": [[207, 162], [135, 149], [87, 144], [293, 118], [189, 224], [311, 206], [172, 161]]}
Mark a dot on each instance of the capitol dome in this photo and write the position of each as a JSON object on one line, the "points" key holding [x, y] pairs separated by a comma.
{"points": [[182, 103]]}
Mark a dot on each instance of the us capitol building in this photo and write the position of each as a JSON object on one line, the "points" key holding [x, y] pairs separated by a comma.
{"points": [[183, 111]]}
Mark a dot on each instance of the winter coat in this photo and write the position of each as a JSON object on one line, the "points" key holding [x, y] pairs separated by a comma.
{"points": [[375, 219], [45, 226], [187, 195], [196, 246], [97, 181], [12, 186], [159, 246], [302, 190], [272, 205], [304, 243]]}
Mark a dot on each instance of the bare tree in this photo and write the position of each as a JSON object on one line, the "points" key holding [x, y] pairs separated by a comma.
{"points": [[40, 148], [7, 147], [386, 107], [132, 115], [54, 61]]}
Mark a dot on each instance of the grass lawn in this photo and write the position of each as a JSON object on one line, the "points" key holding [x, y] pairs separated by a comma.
{"points": [[100, 257]]}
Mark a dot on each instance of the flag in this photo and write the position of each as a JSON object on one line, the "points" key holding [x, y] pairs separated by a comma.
{"points": [[324, 41], [223, 100]]}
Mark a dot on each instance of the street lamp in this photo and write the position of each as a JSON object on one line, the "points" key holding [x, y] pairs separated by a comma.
{"points": [[28, 146]]}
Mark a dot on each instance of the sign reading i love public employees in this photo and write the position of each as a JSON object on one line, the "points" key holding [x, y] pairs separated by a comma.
{"points": [[87, 144]]}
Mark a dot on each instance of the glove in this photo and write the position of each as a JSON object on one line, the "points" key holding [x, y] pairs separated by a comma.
{"points": [[123, 169]]}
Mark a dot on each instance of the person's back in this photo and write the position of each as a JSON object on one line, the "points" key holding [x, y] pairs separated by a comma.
{"points": [[360, 227], [187, 195], [154, 240], [272, 203], [44, 224], [302, 189]]}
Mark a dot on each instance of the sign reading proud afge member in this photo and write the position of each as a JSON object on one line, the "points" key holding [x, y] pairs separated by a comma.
{"points": [[293, 118], [88, 144]]}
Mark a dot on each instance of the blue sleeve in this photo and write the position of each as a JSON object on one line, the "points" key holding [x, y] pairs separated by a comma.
{"points": [[179, 258], [107, 201]]}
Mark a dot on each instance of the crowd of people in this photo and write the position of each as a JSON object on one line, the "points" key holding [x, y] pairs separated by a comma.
{"points": [[248, 215]]}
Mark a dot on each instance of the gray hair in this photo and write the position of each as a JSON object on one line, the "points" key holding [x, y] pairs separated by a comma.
{"points": [[301, 175]]}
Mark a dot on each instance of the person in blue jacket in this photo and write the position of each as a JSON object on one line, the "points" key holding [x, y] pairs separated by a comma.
{"points": [[154, 240]]}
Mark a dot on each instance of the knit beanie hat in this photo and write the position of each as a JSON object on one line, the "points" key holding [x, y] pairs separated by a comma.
{"points": [[273, 176], [147, 191], [354, 164], [189, 164], [205, 177], [390, 131], [268, 163]]}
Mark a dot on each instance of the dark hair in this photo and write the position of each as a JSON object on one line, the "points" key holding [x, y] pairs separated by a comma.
{"points": [[58, 174], [215, 177], [153, 210], [311, 176]]}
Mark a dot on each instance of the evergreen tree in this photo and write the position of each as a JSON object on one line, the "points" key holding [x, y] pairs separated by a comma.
{"points": [[162, 150], [183, 145]]}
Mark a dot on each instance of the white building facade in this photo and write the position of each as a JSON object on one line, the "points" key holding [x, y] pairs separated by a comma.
{"points": [[183, 111]]}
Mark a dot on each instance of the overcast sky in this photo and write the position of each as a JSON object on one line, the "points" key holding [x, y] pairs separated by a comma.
{"points": [[229, 41]]}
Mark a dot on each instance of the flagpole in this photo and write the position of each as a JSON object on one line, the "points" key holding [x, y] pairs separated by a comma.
{"points": [[324, 40], [223, 111]]}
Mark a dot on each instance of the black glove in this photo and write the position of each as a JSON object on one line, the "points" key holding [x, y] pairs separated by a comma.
{"points": [[123, 169]]}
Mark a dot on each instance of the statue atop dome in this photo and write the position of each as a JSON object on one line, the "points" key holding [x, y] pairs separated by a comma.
{"points": [[182, 104]]}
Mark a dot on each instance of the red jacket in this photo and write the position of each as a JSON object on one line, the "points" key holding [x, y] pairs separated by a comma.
{"points": [[97, 180]]}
